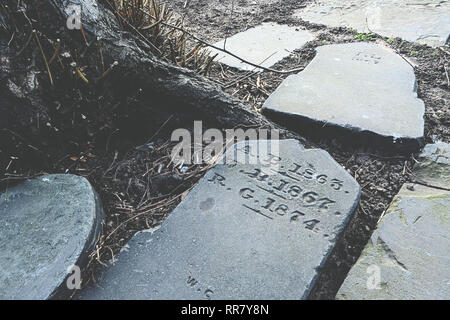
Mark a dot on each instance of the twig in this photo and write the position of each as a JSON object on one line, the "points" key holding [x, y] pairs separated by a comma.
{"points": [[445, 51], [55, 54], [367, 25], [446, 74], [82, 76], [84, 36], [423, 183], [149, 208], [220, 49], [43, 56], [208, 64], [12, 37], [401, 56], [152, 25], [104, 74], [137, 31], [160, 128], [246, 76], [112, 164], [26, 44]]}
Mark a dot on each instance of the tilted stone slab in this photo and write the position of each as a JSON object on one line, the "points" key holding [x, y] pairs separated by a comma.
{"points": [[361, 87], [246, 231], [263, 45], [426, 22], [433, 168], [408, 255], [47, 225]]}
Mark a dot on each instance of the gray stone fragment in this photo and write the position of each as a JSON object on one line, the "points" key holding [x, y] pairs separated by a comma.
{"points": [[222, 243], [408, 253], [426, 22], [263, 45], [47, 225], [434, 165], [362, 87]]}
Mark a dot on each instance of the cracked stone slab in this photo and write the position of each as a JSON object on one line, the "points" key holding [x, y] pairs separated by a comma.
{"points": [[47, 225], [361, 87], [263, 45], [247, 230], [408, 254], [434, 165], [425, 22]]}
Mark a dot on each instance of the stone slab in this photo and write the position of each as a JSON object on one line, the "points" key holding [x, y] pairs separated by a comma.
{"points": [[425, 22], [409, 252], [263, 45], [245, 231], [434, 165], [362, 87], [47, 225]]}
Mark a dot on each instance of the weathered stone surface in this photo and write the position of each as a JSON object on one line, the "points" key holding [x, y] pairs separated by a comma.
{"points": [[434, 165], [47, 225], [358, 86], [264, 45], [246, 231], [426, 22], [410, 249]]}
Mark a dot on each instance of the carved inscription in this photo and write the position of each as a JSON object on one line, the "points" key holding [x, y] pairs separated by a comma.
{"points": [[287, 191], [367, 57], [248, 155], [195, 285]]}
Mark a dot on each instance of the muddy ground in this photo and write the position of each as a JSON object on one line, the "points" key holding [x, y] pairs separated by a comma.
{"points": [[120, 141]]}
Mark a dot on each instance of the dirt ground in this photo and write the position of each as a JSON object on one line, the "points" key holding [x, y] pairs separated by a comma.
{"points": [[120, 141]]}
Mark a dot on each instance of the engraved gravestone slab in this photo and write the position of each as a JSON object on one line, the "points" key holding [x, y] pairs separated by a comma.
{"points": [[246, 231], [433, 168], [361, 87], [426, 22], [407, 257], [263, 45]]}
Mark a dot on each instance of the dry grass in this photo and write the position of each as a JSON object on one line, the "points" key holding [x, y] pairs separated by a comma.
{"points": [[173, 44]]}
